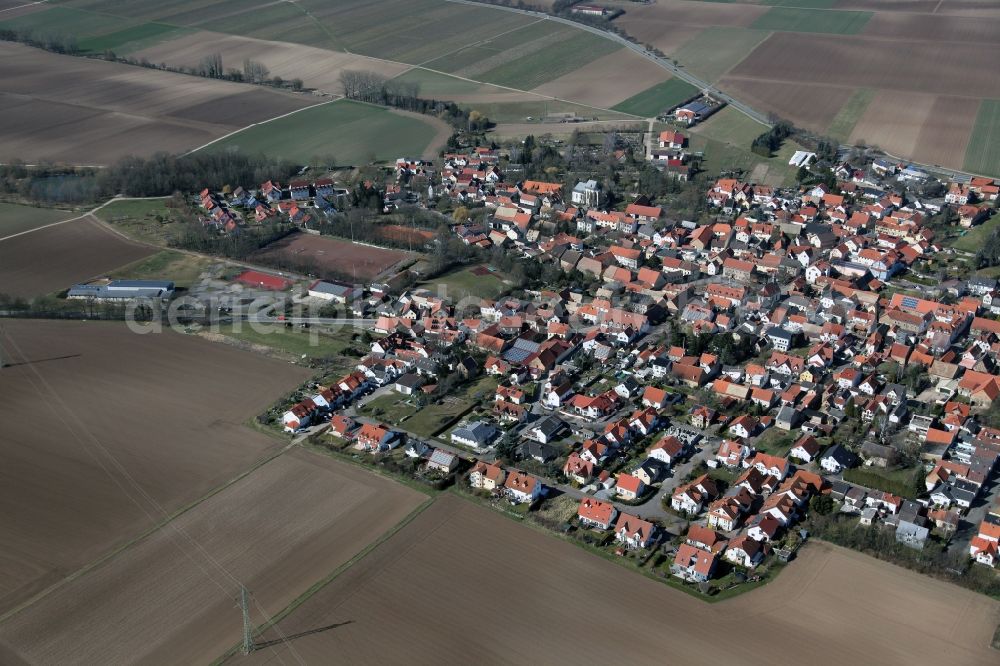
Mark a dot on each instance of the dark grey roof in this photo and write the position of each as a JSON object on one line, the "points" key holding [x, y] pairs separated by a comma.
{"points": [[549, 425]]}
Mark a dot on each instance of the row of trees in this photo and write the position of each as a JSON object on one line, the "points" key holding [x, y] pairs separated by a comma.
{"points": [[933, 559], [211, 66], [159, 175], [56, 42], [163, 174], [374, 88]]}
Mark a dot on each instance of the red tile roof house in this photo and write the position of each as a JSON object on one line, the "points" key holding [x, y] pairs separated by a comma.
{"points": [[725, 514], [669, 450], [654, 397], [577, 469], [805, 449], [745, 552], [299, 415], [374, 438], [693, 564], [691, 497], [634, 532], [629, 487], [705, 538], [522, 487], [595, 513], [486, 476]]}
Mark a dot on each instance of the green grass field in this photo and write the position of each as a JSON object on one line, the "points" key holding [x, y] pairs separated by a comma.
{"points": [[714, 51], [434, 85], [183, 269], [806, 4], [132, 39], [976, 237], [550, 62], [311, 343], [652, 101], [477, 53], [147, 220], [983, 153], [843, 123], [464, 283], [352, 132], [732, 127], [427, 421], [518, 112], [68, 21], [412, 31], [792, 19], [15, 218], [721, 156]]}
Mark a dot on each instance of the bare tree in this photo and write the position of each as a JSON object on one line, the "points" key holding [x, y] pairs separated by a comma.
{"points": [[211, 66], [254, 71]]}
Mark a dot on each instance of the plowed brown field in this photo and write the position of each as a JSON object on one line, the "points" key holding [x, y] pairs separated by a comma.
{"points": [[103, 428], [461, 584], [927, 128], [318, 68], [86, 111], [55, 258], [170, 599], [621, 74]]}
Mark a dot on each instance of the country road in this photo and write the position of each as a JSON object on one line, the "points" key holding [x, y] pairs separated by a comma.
{"points": [[680, 72]]}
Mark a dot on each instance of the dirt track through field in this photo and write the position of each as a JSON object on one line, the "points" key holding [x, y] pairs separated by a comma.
{"points": [[462, 583], [99, 420]]}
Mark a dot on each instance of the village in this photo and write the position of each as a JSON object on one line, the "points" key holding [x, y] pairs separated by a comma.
{"points": [[702, 388]]}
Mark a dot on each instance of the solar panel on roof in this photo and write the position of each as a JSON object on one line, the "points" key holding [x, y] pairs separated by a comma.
{"points": [[909, 302]]}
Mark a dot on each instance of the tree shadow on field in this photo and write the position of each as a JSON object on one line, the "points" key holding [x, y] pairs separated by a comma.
{"points": [[40, 360], [301, 634]]}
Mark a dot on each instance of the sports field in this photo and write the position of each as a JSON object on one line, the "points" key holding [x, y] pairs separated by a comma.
{"points": [[354, 133], [796, 19], [655, 100], [15, 218], [983, 154]]}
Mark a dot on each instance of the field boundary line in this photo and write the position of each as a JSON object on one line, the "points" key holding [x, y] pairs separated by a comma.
{"points": [[329, 578], [336, 98], [30, 4], [142, 536], [92, 211]]}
